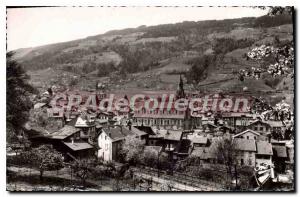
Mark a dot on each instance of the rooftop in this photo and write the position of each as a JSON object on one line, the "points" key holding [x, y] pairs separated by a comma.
{"points": [[198, 139], [170, 135], [280, 151], [264, 148], [83, 122], [76, 146], [117, 133], [244, 144], [246, 131], [64, 132]]}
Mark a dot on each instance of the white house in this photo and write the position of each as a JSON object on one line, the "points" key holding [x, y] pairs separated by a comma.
{"points": [[111, 138]]}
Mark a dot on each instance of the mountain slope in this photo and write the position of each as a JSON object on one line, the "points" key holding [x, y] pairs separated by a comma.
{"points": [[153, 57]]}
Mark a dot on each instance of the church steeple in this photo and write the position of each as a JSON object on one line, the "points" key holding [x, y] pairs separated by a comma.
{"points": [[180, 91]]}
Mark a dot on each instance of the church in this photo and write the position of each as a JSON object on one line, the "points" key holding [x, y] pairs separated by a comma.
{"points": [[165, 117]]}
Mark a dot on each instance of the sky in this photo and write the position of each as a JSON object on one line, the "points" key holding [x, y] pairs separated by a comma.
{"points": [[29, 27]]}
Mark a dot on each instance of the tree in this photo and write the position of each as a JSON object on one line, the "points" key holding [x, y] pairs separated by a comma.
{"points": [[132, 150], [280, 59], [150, 157], [278, 10], [44, 158], [82, 168], [17, 96], [226, 153]]}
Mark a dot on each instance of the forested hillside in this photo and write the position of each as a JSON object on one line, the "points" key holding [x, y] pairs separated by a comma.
{"points": [[207, 53]]}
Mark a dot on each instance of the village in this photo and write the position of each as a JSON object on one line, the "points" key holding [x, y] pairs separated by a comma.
{"points": [[142, 99], [166, 149]]}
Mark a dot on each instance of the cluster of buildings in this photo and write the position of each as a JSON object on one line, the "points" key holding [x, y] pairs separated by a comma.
{"points": [[181, 134]]}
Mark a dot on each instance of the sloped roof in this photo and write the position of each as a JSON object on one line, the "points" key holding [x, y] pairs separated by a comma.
{"points": [[275, 123], [280, 151], [199, 140], [146, 129], [264, 148], [246, 131], [170, 135], [259, 121], [137, 131], [117, 133], [205, 152], [244, 144], [64, 132], [76, 146], [82, 122], [210, 124]]}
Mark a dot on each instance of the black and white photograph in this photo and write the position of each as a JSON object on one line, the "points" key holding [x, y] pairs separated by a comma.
{"points": [[150, 99]]}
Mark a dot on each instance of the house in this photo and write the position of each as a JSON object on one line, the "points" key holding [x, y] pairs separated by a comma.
{"points": [[277, 129], [261, 127], [245, 151], [171, 139], [280, 157], [68, 141], [138, 133], [87, 127], [66, 133], [264, 153], [291, 153], [238, 120], [184, 149], [209, 127], [79, 149], [225, 129], [250, 135], [206, 154], [111, 138], [199, 141], [276, 125], [147, 129], [56, 114]]}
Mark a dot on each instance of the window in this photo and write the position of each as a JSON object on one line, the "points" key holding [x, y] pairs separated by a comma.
{"points": [[247, 137], [255, 137], [255, 129], [106, 146], [105, 137], [250, 162], [242, 162], [261, 128]]}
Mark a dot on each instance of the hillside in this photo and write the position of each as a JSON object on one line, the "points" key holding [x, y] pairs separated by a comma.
{"points": [[151, 58]]}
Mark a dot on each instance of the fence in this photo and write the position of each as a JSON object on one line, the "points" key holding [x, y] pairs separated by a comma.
{"points": [[182, 178]]}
